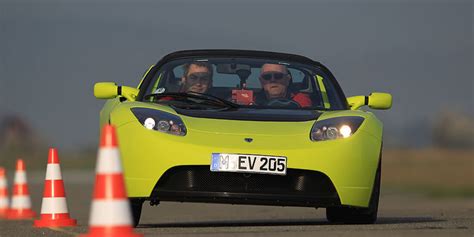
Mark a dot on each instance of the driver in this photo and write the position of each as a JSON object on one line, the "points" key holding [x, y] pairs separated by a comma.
{"points": [[275, 80], [197, 77]]}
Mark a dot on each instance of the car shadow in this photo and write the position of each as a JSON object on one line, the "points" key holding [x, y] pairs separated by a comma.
{"points": [[282, 222]]}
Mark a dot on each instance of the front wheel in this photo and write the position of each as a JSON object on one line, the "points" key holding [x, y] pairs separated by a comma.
{"points": [[136, 208], [353, 215]]}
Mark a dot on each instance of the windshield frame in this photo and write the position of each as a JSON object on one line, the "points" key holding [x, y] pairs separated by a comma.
{"points": [[202, 54]]}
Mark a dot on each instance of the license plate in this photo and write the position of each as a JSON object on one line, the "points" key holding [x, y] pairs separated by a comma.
{"points": [[244, 163]]}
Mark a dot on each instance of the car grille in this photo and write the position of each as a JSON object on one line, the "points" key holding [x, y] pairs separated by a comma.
{"points": [[200, 178]]}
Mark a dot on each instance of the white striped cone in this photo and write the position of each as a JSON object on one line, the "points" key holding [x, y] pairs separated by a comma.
{"points": [[21, 204], [3, 193], [54, 211], [110, 212]]}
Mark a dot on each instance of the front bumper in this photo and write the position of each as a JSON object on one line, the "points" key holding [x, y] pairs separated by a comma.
{"points": [[199, 184], [349, 164]]}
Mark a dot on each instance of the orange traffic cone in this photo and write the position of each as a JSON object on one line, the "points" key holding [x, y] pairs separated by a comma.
{"points": [[3, 193], [54, 212], [110, 212], [21, 203]]}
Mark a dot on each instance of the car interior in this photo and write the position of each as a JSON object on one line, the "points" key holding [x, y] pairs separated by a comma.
{"points": [[227, 79]]}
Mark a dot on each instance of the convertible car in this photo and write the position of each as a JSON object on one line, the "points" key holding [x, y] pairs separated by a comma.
{"points": [[247, 127]]}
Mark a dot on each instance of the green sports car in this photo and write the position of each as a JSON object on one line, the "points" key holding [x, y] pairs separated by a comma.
{"points": [[247, 127]]}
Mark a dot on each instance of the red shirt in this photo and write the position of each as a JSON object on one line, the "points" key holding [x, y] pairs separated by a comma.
{"points": [[167, 98], [302, 99]]}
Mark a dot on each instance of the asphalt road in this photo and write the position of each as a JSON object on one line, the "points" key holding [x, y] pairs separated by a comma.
{"points": [[399, 215]]}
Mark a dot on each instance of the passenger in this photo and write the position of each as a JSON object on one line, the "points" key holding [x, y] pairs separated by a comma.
{"points": [[275, 80], [197, 77]]}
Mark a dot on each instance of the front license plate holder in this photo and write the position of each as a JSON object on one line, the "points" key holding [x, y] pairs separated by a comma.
{"points": [[248, 163]]}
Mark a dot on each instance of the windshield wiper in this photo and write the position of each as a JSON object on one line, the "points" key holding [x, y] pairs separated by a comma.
{"points": [[196, 95]]}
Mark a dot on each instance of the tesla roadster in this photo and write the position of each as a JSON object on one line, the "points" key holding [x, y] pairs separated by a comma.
{"points": [[247, 127]]}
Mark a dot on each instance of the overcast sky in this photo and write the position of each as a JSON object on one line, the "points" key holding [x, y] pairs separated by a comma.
{"points": [[52, 53]]}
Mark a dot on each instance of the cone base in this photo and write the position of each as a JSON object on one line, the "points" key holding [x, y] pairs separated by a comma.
{"points": [[3, 213], [20, 214], [54, 223], [115, 231]]}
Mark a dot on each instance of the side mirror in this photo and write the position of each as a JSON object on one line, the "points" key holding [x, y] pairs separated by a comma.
{"points": [[376, 100], [105, 90], [110, 90], [379, 100]]}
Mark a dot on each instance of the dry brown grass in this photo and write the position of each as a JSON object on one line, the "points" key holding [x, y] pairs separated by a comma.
{"points": [[436, 171]]}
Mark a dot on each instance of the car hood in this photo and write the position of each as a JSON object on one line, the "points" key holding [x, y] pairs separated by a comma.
{"points": [[269, 122], [246, 114]]}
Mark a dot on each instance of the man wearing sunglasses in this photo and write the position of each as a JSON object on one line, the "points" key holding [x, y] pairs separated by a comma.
{"points": [[197, 77], [275, 80]]}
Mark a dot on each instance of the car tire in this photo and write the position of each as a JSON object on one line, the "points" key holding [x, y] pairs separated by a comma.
{"points": [[136, 208], [353, 215]]}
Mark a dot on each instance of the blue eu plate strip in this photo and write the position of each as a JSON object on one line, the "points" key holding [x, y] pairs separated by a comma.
{"points": [[215, 161]]}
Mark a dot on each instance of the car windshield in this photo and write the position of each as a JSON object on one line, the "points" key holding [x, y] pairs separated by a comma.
{"points": [[216, 83]]}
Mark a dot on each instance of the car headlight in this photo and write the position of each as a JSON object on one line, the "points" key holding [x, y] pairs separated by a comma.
{"points": [[160, 121], [334, 128]]}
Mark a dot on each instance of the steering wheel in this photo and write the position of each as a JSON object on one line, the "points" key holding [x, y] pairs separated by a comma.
{"points": [[282, 102]]}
